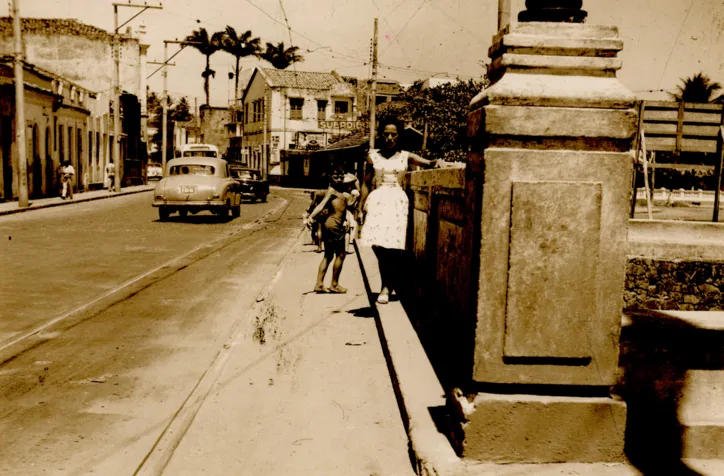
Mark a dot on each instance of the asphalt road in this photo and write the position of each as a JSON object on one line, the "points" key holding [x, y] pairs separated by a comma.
{"points": [[109, 319]]}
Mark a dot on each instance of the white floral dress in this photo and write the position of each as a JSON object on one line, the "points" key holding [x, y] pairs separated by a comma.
{"points": [[387, 206]]}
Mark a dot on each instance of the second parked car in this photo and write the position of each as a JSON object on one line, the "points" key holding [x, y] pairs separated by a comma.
{"points": [[251, 183]]}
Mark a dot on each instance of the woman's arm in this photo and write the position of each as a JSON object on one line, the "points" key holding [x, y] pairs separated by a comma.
{"points": [[415, 159], [322, 204], [366, 183]]}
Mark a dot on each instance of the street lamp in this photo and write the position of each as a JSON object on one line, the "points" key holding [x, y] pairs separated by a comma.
{"points": [[561, 11]]}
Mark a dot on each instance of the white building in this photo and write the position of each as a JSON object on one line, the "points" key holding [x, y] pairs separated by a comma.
{"points": [[435, 82], [287, 109]]}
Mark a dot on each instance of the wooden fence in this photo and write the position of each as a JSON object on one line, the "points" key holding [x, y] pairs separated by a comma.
{"points": [[683, 127]]}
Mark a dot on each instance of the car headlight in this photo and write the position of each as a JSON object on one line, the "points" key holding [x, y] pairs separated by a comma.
{"points": [[217, 195]]}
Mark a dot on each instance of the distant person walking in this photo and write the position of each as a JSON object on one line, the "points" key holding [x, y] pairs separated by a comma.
{"points": [[110, 175], [337, 201], [316, 224], [67, 175]]}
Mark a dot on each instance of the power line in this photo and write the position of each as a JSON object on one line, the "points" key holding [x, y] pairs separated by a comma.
{"points": [[462, 28], [676, 40], [291, 42], [298, 33], [407, 23], [390, 27]]}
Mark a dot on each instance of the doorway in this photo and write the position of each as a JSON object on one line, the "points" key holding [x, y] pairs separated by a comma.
{"points": [[37, 166], [6, 140], [49, 169]]}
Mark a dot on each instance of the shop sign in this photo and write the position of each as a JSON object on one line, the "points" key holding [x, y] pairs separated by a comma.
{"points": [[348, 125]]}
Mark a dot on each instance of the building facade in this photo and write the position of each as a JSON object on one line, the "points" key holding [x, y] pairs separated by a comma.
{"points": [[64, 122], [293, 110], [80, 55]]}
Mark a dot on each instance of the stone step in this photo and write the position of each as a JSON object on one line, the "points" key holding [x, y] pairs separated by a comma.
{"points": [[672, 365]]}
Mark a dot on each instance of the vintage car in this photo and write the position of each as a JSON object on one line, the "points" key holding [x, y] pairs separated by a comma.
{"points": [[196, 184], [251, 184], [154, 171]]}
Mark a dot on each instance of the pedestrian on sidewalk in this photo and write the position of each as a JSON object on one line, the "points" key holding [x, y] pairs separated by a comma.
{"points": [[337, 201], [316, 224], [385, 208], [110, 174], [67, 175], [352, 213]]}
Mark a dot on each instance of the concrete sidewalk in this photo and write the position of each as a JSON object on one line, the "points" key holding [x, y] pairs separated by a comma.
{"points": [[305, 389], [7, 208], [420, 391]]}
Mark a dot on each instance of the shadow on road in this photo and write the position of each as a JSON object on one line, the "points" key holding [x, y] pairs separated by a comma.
{"points": [[197, 219]]}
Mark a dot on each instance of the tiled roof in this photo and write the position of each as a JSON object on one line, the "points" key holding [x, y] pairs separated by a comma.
{"points": [[50, 26], [299, 79], [357, 139]]}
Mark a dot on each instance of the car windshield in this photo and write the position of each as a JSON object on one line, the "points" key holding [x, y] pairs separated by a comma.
{"points": [[193, 169], [245, 175], [199, 153]]}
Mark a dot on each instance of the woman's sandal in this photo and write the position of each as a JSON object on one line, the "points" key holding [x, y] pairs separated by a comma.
{"points": [[337, 289], [320, 290], [383, 299]]}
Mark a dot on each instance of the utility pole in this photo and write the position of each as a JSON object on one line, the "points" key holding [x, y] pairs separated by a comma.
{"points": [[164, 118], [373, 100], [117, 86], [20, 144], [264, 156]]}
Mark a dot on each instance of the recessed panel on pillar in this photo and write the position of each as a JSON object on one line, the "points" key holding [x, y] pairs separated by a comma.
{"points": [[553, 264]]}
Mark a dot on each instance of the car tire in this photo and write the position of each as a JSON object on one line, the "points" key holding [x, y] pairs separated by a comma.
{"points": [[183, 213], [162, 214], [263, 198]]}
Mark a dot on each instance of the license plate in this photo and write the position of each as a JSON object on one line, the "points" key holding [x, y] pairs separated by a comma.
{"points": [[188, 189]]}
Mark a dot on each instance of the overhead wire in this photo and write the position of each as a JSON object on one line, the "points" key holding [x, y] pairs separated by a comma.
{"points": [[384, 18], [406, 23], [676, 40], [296, 32]]}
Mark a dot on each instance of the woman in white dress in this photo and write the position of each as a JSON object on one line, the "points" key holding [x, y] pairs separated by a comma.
{"points": [[385, 208]]}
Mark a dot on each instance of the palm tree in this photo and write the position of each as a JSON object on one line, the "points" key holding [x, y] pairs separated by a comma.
{"points": [[699, 88], [239, 47], [279, 57], [200, 40]]}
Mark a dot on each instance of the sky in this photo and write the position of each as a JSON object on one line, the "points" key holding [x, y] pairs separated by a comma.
{"points": [[664, 40]]}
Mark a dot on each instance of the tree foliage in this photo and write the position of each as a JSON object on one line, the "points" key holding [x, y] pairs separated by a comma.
{"points": [[698, 88], [279, 56], [445, 110], [239, 46], [207, 46], [178, 110]]}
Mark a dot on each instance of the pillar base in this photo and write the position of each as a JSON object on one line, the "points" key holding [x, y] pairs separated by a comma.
{"points": [[557, 15], [541, 429]]}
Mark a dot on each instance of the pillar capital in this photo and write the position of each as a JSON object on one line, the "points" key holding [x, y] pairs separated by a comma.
{"points": [[559, 11]]}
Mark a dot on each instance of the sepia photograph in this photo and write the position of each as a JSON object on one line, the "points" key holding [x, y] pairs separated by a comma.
{"points": [[361, 237]]}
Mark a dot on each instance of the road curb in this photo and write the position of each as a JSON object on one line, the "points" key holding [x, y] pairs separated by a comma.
{"points": [[71, 202], [416, 385]]}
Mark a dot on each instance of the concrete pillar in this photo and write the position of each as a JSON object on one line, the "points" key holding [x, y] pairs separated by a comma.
{"points": [[552, 137]]}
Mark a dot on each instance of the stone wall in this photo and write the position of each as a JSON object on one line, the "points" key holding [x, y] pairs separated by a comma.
{"points": [[74, 50], [213, 130], [674, 284]]}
